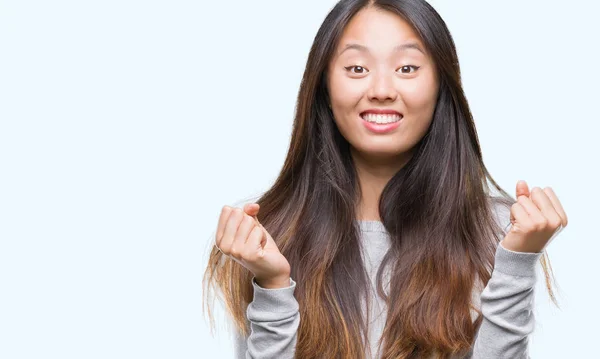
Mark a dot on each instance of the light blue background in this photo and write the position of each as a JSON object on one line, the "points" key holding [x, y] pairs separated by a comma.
{"points": [[127, 125]]}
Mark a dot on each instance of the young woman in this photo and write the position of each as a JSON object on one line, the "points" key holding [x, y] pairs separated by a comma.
{"points": [[381, 237]]}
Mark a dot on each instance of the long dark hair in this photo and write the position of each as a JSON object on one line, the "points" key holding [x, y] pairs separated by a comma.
{"points": [[438, 210]]}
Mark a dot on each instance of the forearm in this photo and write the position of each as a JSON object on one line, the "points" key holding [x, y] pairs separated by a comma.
{"points": [[274, 319], [507, 305]]}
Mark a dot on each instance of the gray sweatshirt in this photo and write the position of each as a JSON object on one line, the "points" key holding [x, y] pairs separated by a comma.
{"points": [[506, 303]]}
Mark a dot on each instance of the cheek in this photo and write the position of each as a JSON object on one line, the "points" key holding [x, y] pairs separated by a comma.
{"points": [[345, 94], [420, 100]]}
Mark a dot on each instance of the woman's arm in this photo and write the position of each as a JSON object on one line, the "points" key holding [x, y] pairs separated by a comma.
{"points": [[274, 318], [507, 304]]}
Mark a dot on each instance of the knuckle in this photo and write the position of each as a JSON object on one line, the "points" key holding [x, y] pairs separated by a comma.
{"points": [[238, 252], [555, 223], [225, 250], [235, 215], [542, 224]]}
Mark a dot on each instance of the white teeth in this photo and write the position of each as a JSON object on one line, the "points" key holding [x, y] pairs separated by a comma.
{"points": [[370, 117]]}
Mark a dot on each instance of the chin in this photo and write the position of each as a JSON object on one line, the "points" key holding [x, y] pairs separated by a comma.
{"points": [[379, 150]]}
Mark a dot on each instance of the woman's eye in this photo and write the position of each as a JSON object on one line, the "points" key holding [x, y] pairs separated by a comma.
{"points": [[408, 67], [361, 70]]}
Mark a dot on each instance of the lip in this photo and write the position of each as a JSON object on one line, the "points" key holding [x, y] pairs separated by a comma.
{"points": [[381, 111], [381, 129]]}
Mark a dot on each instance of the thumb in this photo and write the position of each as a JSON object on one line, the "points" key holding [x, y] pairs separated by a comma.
{"points": [[251, 209], [522, 189]]}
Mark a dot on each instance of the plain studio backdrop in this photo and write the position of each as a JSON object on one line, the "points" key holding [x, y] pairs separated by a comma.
{"points": [[127, 125]]}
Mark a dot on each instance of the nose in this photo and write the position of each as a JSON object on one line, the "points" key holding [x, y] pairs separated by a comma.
{"points": [[382, 88]]}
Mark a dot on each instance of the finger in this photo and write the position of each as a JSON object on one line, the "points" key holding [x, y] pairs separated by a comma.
{"points": [[254, 246], [533, 213], [557, 205], [537, 219], [251, 209], [518, 214], [541, 200], [225, 212], [231, 227], [522, 189], [529, 206], [263, 238], [241, 236]]}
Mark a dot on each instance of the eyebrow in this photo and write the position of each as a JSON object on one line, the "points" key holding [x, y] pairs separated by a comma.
{"points": [[403, 47]]}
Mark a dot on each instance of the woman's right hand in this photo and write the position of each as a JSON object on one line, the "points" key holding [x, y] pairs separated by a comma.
{"points": [[245, 240]]}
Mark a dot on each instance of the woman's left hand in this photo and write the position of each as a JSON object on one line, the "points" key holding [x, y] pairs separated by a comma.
{"points": [[536, 218]]}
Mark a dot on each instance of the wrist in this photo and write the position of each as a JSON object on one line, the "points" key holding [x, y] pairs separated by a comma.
{"points": [[520, 249], [274, 283]]}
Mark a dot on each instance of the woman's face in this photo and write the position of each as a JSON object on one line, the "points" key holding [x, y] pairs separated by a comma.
{"points": [[380, 64]]}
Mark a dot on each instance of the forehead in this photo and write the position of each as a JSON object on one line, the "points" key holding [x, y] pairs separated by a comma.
{"points": [[380, 31]]}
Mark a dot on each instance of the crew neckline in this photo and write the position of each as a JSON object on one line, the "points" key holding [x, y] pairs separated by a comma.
{"points": [[371, 226]]}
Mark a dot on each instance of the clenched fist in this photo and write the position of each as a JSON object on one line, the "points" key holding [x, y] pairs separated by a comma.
{"points": [[243, 238], [536, 218]]}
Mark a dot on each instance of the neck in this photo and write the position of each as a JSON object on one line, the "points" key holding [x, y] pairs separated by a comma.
{"points": [[374, 172]]}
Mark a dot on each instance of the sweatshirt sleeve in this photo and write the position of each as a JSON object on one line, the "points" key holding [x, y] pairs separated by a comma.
{"points": [[274, 319], [507, 307]]}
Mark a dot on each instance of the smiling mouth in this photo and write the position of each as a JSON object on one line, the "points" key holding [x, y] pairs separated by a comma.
{"points": [[381, 119]]}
